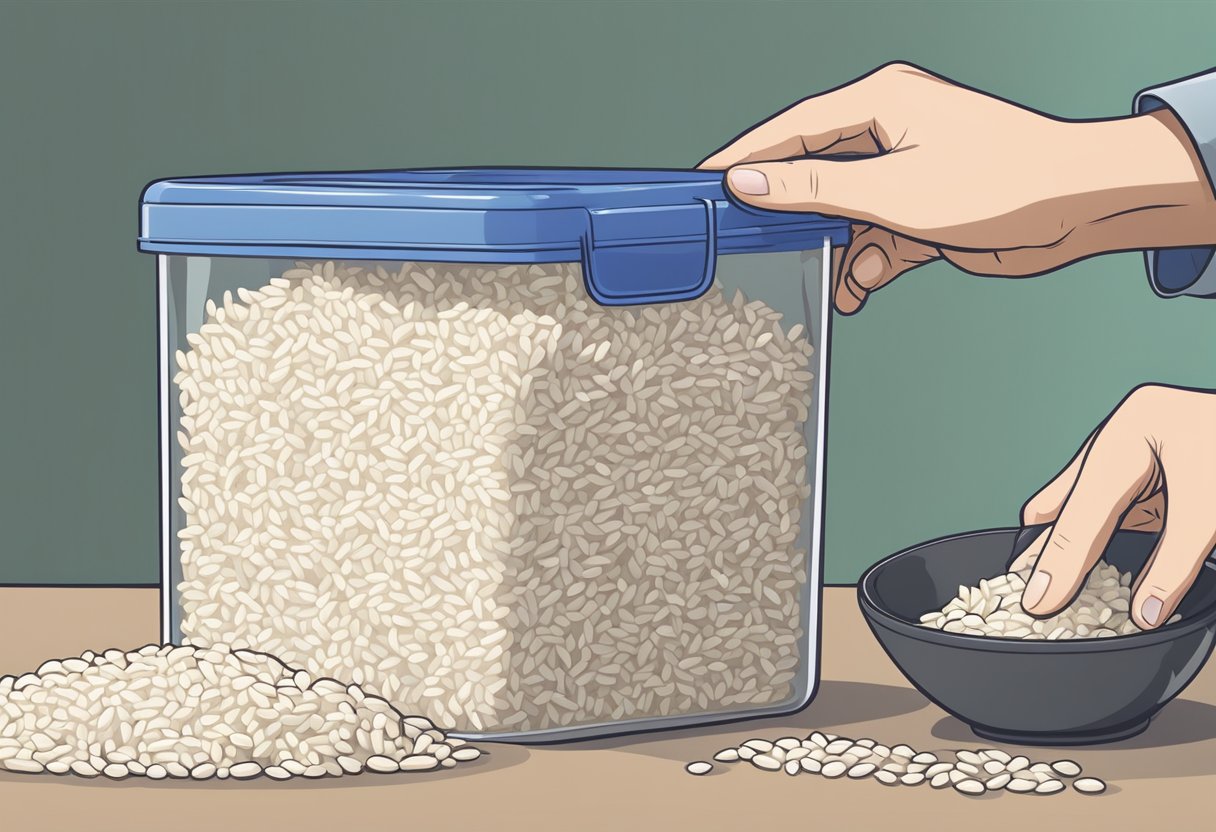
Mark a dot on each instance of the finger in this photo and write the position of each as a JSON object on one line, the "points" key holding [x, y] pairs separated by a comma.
{"points": [[1188, 538], [864, 190], [876, 257], [1112, 476], [837, 120], [1180, 553], [849, 296], [1045, 505], [863, 142], [1031, 554], [1143, 517]]}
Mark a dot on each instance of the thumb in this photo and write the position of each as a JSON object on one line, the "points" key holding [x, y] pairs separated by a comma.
{"points": [[874, 258], [859, 188]]}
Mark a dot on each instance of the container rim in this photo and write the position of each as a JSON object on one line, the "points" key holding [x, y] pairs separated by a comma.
{"points": [[473, 214]]}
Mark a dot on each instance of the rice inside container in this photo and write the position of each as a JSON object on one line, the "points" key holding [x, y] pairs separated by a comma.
{"points": [[536, 453]]}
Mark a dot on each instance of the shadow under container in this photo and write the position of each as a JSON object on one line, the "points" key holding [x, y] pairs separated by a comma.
{"points": [[535, 453]]}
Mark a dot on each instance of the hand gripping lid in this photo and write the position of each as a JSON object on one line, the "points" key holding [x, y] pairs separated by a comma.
{"points": [[642, 236]]}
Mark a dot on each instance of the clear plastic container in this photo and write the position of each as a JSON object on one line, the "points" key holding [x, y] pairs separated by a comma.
{"points": [[537, 454]]}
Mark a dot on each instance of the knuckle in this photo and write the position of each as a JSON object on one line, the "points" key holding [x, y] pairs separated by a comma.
{"points": [[896, 68], [1138, 406], [1161, 588], [900, 72], [883, 78], [1067, 557], [1146, 394], [1060, 546], [1033, 511]]}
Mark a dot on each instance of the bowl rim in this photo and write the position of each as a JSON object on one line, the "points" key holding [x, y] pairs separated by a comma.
{"points": [[989, 644]]}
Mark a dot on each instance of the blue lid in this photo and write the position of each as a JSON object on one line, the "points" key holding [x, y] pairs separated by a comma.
{"points": [[642, 236]]}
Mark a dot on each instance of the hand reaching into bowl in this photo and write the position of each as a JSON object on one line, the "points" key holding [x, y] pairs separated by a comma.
{"points": [[929, 170], [1151, 466]]}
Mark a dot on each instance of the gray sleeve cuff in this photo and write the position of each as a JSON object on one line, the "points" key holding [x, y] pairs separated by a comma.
{"points": [[1186, 271]]}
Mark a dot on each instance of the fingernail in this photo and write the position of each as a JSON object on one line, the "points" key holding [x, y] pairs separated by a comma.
{"points": [[750, 182], [1035, 589], [867, 268], [1150, 610]]}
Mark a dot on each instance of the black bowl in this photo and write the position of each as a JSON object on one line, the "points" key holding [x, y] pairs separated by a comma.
{"points": [[1073, 692]]}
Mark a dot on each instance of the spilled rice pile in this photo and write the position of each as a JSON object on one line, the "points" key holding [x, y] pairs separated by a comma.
{"points": [[193, 712]]}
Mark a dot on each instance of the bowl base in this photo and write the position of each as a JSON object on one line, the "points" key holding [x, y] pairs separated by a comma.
{"points": [[1061, 738]]}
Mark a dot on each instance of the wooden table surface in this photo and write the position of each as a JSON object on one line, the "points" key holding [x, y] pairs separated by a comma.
{"points": [[1159, 780]]}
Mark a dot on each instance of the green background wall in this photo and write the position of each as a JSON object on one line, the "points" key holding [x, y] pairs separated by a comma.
{"points": [[952, 397]]}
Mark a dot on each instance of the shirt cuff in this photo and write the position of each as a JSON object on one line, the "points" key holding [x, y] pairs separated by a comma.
{"points": [[1186, 271]]}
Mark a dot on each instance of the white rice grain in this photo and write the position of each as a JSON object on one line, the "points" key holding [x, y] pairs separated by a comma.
{"points": [[471, 489]]}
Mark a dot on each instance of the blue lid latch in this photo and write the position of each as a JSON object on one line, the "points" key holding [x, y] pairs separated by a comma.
{"points": [[624, 264]]}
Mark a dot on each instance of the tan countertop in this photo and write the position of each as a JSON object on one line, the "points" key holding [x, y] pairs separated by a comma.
{"points": [[1158, 780]]}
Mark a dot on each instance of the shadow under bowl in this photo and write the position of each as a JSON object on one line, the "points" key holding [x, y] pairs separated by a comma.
{"points": [[1068, 692]]}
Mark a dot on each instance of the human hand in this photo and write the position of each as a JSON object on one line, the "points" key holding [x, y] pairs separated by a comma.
{"points": [[932, 170], [1151, 466]]}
